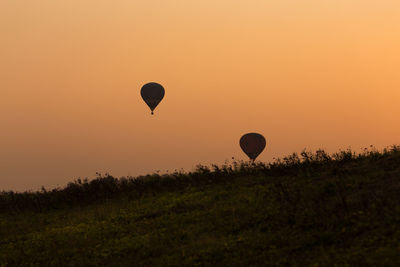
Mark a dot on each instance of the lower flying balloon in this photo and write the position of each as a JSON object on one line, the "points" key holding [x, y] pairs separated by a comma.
{"points": [[252, 144]]}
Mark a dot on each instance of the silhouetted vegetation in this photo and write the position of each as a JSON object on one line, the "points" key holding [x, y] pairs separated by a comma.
{"points": [[303, 209]]}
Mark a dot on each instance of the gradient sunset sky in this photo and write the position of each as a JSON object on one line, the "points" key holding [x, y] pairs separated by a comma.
{"points": [[305, 74]]}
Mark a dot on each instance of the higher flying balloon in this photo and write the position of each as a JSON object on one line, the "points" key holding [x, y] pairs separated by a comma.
{"points": [[252, 144], [152, 93]]}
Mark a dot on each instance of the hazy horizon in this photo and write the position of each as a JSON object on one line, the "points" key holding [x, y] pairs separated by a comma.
{"points": [[315, 74]]}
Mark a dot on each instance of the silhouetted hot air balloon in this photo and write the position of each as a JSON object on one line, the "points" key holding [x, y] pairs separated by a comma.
{"points": [[252, 144], [152, 94]]}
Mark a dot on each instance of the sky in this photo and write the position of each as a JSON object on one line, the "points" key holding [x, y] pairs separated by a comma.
{"points": [[305, 74]]}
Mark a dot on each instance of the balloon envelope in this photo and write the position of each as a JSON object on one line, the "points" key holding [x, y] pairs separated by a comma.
{"points": [[152, 94], [252, 144]]}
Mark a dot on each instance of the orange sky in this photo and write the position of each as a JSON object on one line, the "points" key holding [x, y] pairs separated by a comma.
{"points": [[306, 74]]}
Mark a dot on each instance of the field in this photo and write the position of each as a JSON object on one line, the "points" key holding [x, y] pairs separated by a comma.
{"points": [[308, 209]]}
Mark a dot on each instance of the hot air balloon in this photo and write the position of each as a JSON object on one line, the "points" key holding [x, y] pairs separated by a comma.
{"points": [[152, 94], [252, 144]]}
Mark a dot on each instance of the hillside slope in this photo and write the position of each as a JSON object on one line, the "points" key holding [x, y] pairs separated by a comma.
{"points": [[302, 210]]}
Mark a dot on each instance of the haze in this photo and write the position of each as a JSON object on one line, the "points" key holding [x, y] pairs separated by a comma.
{"points": [[306, 74]]}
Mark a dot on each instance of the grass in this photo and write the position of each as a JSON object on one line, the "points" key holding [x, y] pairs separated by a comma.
{"points": [[308, 209]]}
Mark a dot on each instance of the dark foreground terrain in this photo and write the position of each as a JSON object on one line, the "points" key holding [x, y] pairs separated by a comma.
{"points": [[312, 209]]}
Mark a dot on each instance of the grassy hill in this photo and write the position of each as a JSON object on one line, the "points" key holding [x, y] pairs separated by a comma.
{"points": [[307, 209]]}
